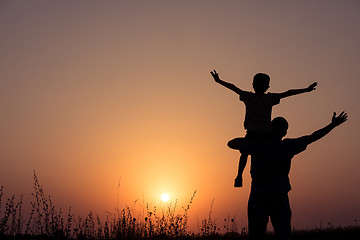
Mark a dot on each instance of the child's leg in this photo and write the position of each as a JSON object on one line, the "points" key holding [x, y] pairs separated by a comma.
{"points": [[242, 164]]}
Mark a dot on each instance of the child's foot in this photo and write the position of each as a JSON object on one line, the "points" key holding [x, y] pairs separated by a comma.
{"points": [[238, 182]]}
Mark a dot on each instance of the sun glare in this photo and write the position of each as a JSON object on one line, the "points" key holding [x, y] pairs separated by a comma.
{"points": [[165, 197]]}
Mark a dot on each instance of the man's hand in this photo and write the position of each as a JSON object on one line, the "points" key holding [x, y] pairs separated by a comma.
{"points": [[337, 120], [312, 87], [215, 75]]}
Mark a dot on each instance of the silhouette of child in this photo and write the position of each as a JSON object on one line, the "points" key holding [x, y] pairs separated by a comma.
{"points": [[258, 107]]}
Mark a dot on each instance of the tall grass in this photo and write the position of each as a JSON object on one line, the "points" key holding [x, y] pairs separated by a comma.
{"points": [[46, 222]]}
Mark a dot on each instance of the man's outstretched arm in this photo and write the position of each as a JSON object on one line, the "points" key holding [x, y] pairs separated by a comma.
{"points": [[293, 92], [225, 84], [335, 121]]}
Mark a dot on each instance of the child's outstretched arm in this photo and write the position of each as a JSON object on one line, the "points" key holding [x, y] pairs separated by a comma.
{"points": [[225, 84], [292, 92]]}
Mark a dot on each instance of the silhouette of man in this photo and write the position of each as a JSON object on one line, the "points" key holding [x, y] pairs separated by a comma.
{"points": [[270, 167]]}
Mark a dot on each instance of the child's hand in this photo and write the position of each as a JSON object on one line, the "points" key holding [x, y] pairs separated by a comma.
{"points": [[312, 87], [215, 75]]}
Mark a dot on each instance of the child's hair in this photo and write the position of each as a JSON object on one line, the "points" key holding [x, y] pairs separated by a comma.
{"points": [[261, 82]]}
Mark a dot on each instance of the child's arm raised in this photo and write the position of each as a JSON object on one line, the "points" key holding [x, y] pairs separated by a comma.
{"points": [[292, 92], [225, 84]]}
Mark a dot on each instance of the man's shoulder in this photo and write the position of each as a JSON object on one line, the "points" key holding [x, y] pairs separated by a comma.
{"points": [[296, 145], [294, 140]]}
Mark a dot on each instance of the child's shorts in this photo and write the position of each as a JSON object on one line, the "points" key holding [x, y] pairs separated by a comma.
{"points": [[257, 135]]}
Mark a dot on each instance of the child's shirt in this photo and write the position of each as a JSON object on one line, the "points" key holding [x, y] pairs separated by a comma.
{"points": [[258, 110]]}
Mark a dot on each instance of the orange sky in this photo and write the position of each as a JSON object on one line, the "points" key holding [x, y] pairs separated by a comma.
{"points": [[95, 91]]}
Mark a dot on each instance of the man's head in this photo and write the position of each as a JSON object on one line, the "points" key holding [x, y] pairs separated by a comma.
{"points": [[279, 126], [261, 82]]}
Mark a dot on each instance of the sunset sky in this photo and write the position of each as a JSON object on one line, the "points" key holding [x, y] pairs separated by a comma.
{"points": [[97, 93]]}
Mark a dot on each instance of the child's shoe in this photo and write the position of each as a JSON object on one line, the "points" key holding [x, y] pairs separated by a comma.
{"points": [[238, 182]]}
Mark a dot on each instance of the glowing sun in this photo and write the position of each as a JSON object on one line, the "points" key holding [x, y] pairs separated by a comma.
{"points": [[165, 197]]}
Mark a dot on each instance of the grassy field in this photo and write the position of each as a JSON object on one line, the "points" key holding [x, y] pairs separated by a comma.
{"points": [[46, 222]]}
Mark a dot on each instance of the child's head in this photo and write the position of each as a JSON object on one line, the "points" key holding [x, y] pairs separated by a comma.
{"points": [[261, 82]]}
